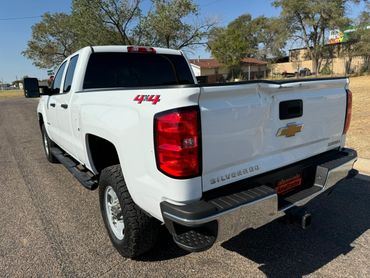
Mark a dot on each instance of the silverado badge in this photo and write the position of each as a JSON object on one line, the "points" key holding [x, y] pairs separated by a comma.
{"points": [[290, 130]]}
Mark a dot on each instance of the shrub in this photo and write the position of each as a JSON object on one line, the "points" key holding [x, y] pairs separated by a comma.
{"points": [[326, 70]]}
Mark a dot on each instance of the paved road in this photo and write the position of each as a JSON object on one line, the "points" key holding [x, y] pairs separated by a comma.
{"points": [[51, 226]]}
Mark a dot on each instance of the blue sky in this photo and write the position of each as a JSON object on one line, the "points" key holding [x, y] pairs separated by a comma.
{"points": [[14, 33]]}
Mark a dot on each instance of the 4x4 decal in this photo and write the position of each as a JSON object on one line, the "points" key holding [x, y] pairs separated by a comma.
{"points": [[154, 99]]}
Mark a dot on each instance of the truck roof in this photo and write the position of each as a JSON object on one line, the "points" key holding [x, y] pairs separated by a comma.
{"points": [[123, 48]]}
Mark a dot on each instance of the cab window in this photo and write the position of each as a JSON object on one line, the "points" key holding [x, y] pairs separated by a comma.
{"points": [[58, 79], [69, 75], [114, 69]]}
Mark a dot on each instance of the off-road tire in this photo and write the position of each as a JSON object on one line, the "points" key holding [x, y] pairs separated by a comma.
{"points": [[140, 229], [47, 147]]}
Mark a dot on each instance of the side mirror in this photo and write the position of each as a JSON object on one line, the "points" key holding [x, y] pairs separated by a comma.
{"points": [[202, 79], [31, 87], [46, 91]]}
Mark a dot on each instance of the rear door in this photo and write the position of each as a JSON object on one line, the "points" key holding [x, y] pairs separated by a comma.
{"points": [[252, 128]]}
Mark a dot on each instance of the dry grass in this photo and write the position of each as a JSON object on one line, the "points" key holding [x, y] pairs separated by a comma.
{"points": [[11, 93], [359, 133]]}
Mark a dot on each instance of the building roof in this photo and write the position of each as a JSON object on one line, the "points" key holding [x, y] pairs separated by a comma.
{"points": [[206, 63], [253, 61], [213, 63]]}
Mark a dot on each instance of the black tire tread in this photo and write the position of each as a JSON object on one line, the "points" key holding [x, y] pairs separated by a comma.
{"points": [[141, 230], [50, 157]]}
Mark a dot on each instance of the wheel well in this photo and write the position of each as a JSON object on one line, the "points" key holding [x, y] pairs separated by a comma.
{"points": [[101, 152]]}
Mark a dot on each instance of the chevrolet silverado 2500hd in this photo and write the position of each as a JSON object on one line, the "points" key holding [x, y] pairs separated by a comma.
{"points": [[208, 161]]}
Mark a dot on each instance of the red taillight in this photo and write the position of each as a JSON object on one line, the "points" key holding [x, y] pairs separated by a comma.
{"points": [[141, 49], [177, 142], [349, 112]]}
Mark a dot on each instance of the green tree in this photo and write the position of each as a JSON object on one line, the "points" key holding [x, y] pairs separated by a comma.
{"points": [[171, 23], [246, 37], [53, 39], [100, 22], [235, 41], [174, 24], [309, 22], [271, 36], [361, 37]]}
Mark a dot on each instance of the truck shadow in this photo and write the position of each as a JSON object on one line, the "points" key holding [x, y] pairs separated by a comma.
{"points": [[288, 251], [165, 249]]}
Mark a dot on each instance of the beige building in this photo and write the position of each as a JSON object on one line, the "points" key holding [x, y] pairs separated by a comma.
{"points": [[214, 71], [336, 61]]}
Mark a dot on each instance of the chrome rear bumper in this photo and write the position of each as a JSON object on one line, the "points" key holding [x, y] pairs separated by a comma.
{"points": [[244, 213]]}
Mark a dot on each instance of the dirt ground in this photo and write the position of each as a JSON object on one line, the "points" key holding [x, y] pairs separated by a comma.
{"points": [[359, 133]]}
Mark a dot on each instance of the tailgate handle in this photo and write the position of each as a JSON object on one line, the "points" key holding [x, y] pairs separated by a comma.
{"points": [[290, 109]]}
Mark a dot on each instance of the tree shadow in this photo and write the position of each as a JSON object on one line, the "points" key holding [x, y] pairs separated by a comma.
{"points": [[288, 251]]}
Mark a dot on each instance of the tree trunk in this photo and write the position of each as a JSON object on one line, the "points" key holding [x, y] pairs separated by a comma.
{"points": [[348, 65], [315, 65], [168, 41], [366, 65]]}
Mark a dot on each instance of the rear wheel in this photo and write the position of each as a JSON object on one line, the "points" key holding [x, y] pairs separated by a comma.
{"points": [[48, 144], [131, 231]]}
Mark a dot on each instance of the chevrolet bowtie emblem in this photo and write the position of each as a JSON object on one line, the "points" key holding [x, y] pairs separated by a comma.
{"points": [[290, 130]]}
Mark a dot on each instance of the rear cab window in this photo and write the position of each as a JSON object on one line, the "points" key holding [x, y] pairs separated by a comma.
{"points": [[117, 69]]}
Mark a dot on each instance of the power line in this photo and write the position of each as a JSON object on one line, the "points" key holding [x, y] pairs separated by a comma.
{"points": [[19, 18]]}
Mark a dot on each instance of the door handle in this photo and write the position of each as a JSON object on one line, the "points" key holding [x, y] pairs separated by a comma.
{"points": [[290, 109], [65, 106], [52, 104]]}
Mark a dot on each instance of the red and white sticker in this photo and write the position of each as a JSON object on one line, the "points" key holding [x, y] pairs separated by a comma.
{"points": [[154, 99]]}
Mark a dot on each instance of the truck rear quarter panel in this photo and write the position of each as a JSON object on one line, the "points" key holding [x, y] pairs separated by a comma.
{"points": [[115, 116]]}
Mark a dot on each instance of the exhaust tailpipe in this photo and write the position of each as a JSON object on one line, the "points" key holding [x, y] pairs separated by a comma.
{"points": [[306, 220], [300, 217]]}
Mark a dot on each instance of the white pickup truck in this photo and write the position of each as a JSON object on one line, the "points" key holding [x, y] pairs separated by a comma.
{"points": [[208, 161]]}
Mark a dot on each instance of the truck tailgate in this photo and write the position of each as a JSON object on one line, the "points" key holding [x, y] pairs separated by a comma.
{"points": [[252, 128]]}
